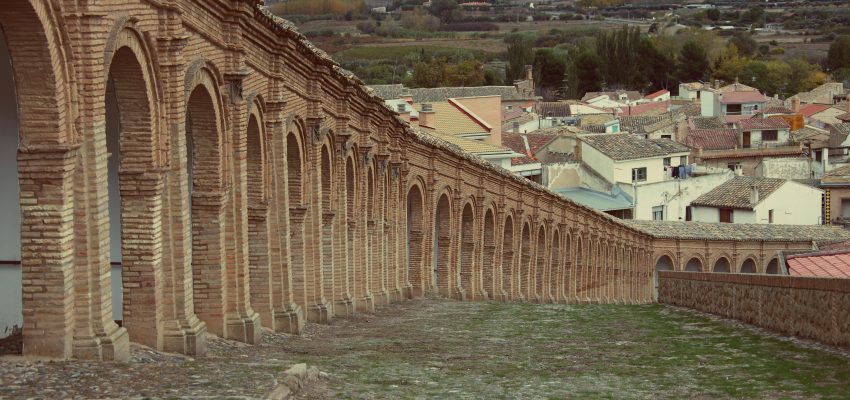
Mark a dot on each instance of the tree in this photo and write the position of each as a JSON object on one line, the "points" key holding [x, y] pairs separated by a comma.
{"points": [[619, 53], [446, 10], [549, 70], [468, 73], [713, 14], [803, 77], [656, 68], [745, 43], [520, 54], [839, 53], [728, 66], [583, 75], [429, 75], [693, 63]]}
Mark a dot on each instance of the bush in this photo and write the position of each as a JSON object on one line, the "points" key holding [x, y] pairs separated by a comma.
{"points": [[469, 27]]}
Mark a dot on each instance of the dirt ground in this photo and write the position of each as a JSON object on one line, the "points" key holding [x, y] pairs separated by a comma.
{"points": [[438, 349]]}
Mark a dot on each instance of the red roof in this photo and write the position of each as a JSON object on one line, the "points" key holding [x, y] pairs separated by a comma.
{"points": [[657, 94], [742, 97], [712, 139], [512, 114], [517, 144], [755, 124], [828, 264], [813, 109], [735, 118], [640, 109]]}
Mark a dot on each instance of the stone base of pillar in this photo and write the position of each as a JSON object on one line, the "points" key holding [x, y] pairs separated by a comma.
{"points": [[400, 294], [416, 292], [382, 297], [459, 294], [365, 304], [111, 346], [187, 337], [503, 297], [344, 307], [483, 295], [290, 320], [245, 329], [320, 313]]}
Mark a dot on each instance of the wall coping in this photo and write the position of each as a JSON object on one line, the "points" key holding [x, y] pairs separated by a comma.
{"points": [[781, 281]]}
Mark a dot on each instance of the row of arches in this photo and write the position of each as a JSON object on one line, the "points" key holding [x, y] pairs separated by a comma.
{"points": [[721, 265], [465, 250]]}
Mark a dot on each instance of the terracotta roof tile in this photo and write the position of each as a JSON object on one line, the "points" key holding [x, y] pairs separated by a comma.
{"points": [[553, 109], [516, 143], [656, 107], [737, 192], [632, 95], [813, 109], [620, 146], [763, 123], [712, 139], [707, 123], [828, 264], [740, 97], [739, 232], [657, 94]]}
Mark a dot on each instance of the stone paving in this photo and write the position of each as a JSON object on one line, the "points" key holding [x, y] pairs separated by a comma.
{"points": [[444, 349]]}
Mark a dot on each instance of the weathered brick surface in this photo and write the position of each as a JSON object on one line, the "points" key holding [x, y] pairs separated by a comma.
{"points": [[261, 184], [813, 308]]}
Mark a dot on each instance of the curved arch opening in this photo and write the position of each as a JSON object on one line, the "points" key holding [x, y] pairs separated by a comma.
{"points": [[415, 232], [664, 263], [748, 267], [773, 267], [540, 266], [555, 268], [351, 223], [488, 267], [507, 284], [467, 250], [442, 242], [328, 243], [524, 287], [722, 266], [693, 265]]}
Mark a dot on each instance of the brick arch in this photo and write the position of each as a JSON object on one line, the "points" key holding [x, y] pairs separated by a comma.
{"points": [[526, 261], [722, 263], [579, 265], [416, 226], [489, 270], [468, 238], [373, 211], [540, 268], [442, 268], [507, 280], [352, 184], [257, 158], [694, 263], [772, 267], [556, 265], [666, 253], [748, 266], [258, 193]]}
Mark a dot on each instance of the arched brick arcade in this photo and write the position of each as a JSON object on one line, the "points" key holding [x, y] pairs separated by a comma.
{"points": [[192, 167]]}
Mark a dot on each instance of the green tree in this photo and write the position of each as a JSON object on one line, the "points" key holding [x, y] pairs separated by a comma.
{"points": [[656, 68], [692, 64], [727, 67], [583, 75], [446, 10], [619, 53], [467, 73], [804, 76], [745, 43], [839, 53], [713, 14], [549, 70], [520, 54], [428, 75]]}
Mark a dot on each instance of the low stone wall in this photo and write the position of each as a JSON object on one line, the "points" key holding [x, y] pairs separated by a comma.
{"points": [[812, 308]]}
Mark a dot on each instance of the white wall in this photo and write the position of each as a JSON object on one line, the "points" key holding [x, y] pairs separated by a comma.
{"points": [[712, 214], [597, 161], [675, 195], [792, 204], [782, 137], [654, 168]]}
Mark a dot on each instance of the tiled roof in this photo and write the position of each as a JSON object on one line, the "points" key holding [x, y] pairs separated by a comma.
{"points": [[730, 119], [468, 145], [692, 85], [517, 144], [824, 264], [655, 107], [838, 175], [595, 119], [844, 117], [739, 232], [553, 109], [649, 123], [537, 141], [450, 119], [830, 115], [630, 94], [737, 192], [621, 146], [751, 124], [810, 133], [508, 115], [813, 109], [773, 110], [737, 87], [431, 95], [707, 123], [843, 128], [822, 94], [742, 97], [690, 110], [657, 94], [712, 139]]}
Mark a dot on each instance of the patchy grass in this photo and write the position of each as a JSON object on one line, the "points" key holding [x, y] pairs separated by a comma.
{"points": [[443, 349], [399, 52]]}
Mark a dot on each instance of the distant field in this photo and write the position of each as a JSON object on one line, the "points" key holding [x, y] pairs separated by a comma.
{"points": [[391, 52]]}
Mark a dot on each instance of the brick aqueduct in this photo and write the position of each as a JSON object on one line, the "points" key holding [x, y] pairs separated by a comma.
{"points": [[260, 184]]}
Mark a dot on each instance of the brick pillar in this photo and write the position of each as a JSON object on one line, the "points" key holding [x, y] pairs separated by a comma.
{"points": [[329, 281], [208, 258], [260, 270], [297, 266], [47, 248], [141, 255], [365, 301]]}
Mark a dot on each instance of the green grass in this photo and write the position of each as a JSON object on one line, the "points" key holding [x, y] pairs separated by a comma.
{"points": [[400, 52], [495, 350]]}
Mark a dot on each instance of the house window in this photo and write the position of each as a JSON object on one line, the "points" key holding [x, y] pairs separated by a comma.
{"points": [[667, 136], [733, 109], [726, 215], [658, 213], [769, 136], [683, 160], [638, 174], [666, 161], [689, 216], [769, 216], [734, 166], [845, 208], [818, 155]]}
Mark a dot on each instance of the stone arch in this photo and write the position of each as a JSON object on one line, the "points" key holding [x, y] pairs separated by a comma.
{"points": [[352, 178], [722, 265], [508, 279], [373, 267], [540, 268], [488, 257], [441, 274], [205, 168], [526, 259], [568, 266], [38, 150], [694, 264], [134, 186], [748, 266], [578, 267], [332, 281], [772, 267], [415, 236], [466, 259], [552, 286]]}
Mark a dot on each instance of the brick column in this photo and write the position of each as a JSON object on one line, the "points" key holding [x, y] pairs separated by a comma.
{"points": [[297, 266], [208, 263], [260, 270], [47, 248]]}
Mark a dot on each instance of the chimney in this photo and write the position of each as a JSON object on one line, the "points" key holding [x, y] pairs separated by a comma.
{"points": [[795, 105], [577, 152], [427, 117], [529, 73], [717, 83], [754, 194]]}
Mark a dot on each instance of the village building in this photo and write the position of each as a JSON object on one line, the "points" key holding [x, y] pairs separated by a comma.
{"points": [[751, 200], [836, 205], [690, 90], [630, 159]]}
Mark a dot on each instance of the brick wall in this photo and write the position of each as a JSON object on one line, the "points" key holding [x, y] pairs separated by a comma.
{"points": [[812, 308]]}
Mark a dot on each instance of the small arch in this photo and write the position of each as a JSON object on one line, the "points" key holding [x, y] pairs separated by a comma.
{"points": [[556, 267], [442, 244], [748, 266], [722, 265], [773, 267], [466, 264], [694, 265], [488, 268], [524, 286], [508, 271], [664, 263], [415, 232], [540, 265]]}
